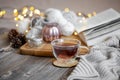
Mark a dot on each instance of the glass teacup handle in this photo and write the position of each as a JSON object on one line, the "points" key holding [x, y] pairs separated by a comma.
{"points": [[80, 53]]}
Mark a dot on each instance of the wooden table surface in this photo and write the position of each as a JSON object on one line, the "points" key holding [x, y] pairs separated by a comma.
{"points": [[14, 66]]}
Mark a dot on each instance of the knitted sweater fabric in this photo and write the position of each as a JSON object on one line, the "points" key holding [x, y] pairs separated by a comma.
{"points": [[102, 62]]}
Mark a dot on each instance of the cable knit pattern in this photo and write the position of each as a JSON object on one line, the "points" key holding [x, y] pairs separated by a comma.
{"points": [[102, 62]]}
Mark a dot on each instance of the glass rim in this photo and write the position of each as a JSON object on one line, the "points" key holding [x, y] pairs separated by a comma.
{"points": [[77, 41]]}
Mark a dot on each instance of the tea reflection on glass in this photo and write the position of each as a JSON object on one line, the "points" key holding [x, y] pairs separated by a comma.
{"points": [[66, 50]]}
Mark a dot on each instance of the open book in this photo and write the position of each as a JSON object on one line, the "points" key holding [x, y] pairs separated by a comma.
{"points": [[100, 27]]}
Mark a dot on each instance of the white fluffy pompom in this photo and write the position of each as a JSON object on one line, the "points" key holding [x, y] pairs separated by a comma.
{"points": [[67, 29], [53, 15], [70, 16]]}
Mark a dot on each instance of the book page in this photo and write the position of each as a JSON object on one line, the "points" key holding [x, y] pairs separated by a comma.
{"points": [[101, 18]]}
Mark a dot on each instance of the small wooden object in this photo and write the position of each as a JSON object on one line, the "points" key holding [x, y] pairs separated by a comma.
{"points": [[63, 64]]}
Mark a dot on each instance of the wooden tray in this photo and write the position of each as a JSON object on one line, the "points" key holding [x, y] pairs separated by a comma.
{"points": [[44, 50]]}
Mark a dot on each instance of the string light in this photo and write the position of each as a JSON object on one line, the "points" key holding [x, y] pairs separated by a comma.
{"points": [[66, 9], [15, 12], [89, 15], [20, 17], [2, 13], [26, 31], [16, 18], [17, 25], [36, 11], [32, 8], [79, 13], [75, 33], [26, 12], [30, 14]]}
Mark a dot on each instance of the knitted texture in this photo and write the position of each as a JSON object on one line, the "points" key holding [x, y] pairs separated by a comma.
{"points": [[102, 62]]}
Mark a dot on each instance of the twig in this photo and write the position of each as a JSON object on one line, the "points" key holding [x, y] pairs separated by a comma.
{"points": [[8, 48]]}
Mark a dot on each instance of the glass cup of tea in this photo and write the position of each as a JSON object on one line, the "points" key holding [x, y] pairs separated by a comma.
{"points": [[66, 51]]}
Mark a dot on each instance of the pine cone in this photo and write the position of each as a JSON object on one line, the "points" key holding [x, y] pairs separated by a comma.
{"points": [[16, 43], [12, 34], [16, 39], [22, 38]]}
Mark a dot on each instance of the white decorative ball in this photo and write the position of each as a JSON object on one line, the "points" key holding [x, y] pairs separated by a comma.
{"points": [[53, 15], [67, 29]]}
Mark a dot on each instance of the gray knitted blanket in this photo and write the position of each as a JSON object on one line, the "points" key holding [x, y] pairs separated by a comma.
{"points": [[102, 63]]}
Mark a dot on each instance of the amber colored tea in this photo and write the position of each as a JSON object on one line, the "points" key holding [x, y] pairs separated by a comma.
{"points": [[65, 50]]}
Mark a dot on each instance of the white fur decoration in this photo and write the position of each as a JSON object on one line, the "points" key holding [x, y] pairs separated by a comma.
{"points": [[67, 30], [55, 15], [70, 16], [23, 25]]}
